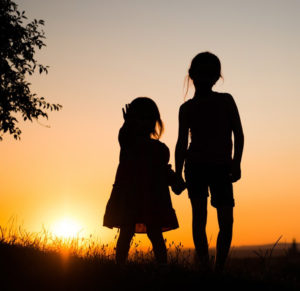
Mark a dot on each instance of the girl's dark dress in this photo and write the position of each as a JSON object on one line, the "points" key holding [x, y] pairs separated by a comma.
{"points": [[140, 194]]}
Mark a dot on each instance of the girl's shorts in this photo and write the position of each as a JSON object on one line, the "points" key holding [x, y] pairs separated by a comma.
{"points": [[202, 179]]}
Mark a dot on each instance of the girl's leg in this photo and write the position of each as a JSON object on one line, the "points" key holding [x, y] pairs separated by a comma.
{"points": [[199, 210], [159, 247], [225, 219], [123, 243]]}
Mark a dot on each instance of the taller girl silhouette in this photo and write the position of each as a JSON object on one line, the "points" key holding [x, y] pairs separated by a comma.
{"points": [[211, 118]]}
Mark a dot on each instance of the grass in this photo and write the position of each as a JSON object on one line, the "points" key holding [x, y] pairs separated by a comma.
{"points": [[41, 261]]}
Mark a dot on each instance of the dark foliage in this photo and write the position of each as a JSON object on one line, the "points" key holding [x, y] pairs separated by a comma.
{"points": [[18, 44]]}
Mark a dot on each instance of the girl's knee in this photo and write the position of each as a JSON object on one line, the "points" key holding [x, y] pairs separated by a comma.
{"points": [[126, 233], [226, 226], [154, 233]]}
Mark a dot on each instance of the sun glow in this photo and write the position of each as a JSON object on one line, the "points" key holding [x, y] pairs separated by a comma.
{"points": [[66, 228]]}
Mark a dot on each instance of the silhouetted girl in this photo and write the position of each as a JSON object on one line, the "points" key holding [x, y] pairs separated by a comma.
{"points": [[211, 118], [140, 200]]}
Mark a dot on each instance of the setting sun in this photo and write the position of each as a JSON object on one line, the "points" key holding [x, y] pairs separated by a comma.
{"points": [[66, 228]]}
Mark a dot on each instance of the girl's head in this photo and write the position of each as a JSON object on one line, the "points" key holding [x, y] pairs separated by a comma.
{"points": [[146, 112], [205, 70]]}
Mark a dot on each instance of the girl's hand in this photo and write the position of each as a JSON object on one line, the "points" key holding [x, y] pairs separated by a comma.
{"points": [[125, 111], [235, 171]]}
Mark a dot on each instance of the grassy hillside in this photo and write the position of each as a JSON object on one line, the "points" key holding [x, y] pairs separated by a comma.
{"points": [[41, 262]]}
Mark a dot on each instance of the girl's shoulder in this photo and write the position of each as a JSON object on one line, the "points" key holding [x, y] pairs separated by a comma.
{"points": [[186, 104], [227, 101], [159, 145], [161, 149], [185, 107], [224, 96]]}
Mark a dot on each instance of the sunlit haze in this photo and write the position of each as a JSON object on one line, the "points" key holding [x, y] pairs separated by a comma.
{"points": [[66, 228]]}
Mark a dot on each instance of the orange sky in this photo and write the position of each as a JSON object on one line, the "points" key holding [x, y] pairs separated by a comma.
{"points": [[102, 54]]}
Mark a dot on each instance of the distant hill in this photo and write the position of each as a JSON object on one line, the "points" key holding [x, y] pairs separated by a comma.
{"points": [[279, 249], [257, 251]]}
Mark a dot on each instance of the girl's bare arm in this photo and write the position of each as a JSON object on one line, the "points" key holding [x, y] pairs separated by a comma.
{"points": [[182, 141], [238, 141]]}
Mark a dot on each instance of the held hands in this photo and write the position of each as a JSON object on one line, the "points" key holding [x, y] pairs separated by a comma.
{"points": [[235, 171], [179, 185]]}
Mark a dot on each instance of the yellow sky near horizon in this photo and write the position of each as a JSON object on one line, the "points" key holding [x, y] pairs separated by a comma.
{"points": [[102, 54]]}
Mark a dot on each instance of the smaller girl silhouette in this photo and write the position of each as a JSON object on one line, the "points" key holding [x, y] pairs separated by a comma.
{"points": [[140, 200]]}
